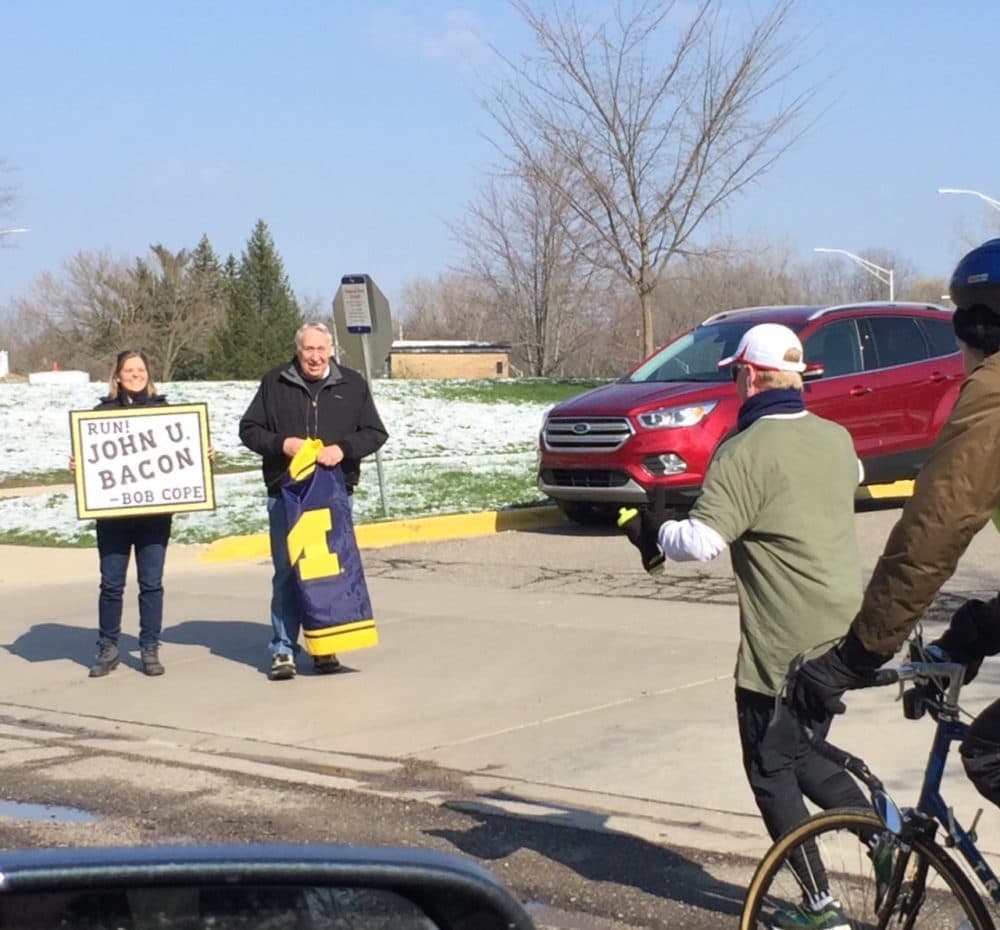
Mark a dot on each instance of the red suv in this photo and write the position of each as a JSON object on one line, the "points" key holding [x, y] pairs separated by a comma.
{"points": [[889, 372]]}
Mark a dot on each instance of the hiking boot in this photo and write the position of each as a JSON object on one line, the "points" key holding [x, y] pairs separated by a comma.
{"points": [[106, 661], [151, 664], [324, 665], [830, 917], [282, 667]]}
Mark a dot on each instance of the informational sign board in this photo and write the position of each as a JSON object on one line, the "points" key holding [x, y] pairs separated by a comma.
{"points": [[357, 307], [350, 344], [146, 460]]}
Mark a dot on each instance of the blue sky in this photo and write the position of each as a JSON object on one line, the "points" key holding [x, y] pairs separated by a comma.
{"points": [[354, 130]]}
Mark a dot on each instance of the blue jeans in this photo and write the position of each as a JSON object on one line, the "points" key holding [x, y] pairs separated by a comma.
{"points": [[286, 606], [116, 537]]}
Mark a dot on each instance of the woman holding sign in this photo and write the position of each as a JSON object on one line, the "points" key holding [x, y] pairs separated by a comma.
{"points": [[131, 386]]}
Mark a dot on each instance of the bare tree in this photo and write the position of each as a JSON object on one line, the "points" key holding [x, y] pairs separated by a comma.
{"points": [[758, 273], [8, 199], [85, 314], [453, 306], [99, 305], [32, 338], [178, 308], [653, 145], [929, 290], [840, 278], [519, 243]]}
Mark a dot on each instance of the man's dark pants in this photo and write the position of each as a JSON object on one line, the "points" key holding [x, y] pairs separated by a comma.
{"points": [[781, 766]]}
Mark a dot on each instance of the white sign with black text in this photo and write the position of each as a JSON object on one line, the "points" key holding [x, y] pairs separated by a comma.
{"points": [[144, 460]]}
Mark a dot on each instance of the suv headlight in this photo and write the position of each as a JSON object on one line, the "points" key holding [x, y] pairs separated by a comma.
{"points": [[673, 417]]}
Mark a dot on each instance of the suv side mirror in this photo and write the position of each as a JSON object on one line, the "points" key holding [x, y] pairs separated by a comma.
{"points": [[813, 371], [235, 887]]}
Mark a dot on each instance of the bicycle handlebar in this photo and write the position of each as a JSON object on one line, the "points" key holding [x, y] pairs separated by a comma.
{"points": [[949, 676]]}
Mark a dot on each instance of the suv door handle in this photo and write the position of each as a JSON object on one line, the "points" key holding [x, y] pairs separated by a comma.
{"points": [[938, 376], [859, 390]]}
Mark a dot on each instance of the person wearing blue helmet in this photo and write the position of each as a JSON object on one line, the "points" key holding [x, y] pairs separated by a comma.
{"points": [[956, 494]]}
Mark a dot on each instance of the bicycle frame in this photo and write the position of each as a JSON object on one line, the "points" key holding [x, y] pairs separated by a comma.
{"points": [[931, 807], [932, 804]]}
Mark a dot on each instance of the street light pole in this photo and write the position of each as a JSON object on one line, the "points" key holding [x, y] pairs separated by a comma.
{"points": [[992, 201], [18, 229], [885, 275]]}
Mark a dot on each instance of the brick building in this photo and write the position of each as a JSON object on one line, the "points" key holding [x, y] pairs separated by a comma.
{"points": [[448, 358]]}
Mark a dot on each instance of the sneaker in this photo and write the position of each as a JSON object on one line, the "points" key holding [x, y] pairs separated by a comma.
{"points": [[282, 667], [106, 661], [151, 664], [830, 917], [324, 665]]}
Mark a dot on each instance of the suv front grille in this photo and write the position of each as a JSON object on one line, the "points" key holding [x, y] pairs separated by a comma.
{"points": [[587, 434], [584, 477]]}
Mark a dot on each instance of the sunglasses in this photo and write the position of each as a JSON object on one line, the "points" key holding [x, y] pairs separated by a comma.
{"points": [[735, 371]]}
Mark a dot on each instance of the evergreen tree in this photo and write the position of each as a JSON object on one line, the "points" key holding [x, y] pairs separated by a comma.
{"points": [[262, 313], [207, 281]]}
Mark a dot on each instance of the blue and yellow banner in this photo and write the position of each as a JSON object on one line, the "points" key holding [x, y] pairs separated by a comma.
{"points": [[336, 609]]}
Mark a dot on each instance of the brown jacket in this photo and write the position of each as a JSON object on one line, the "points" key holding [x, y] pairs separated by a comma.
{"points": [[956, 493]]}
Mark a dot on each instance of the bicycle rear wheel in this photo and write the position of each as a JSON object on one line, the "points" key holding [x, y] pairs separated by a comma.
{"points": [[918, 889]]}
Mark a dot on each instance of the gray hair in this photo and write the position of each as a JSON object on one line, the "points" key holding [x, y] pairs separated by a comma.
{"points": [[319, 327]]}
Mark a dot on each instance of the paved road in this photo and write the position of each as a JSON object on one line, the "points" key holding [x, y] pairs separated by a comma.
{"points": [[537, 701]]}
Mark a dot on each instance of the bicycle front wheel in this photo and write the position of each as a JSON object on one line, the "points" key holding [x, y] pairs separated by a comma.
{"points": [[833, 871]]}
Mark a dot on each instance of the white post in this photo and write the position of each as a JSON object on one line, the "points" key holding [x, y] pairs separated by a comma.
{"points": [[366, 352]]}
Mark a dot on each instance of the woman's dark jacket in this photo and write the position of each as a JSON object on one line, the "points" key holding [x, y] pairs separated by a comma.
{"points": [[155, 400], [343, 412]]}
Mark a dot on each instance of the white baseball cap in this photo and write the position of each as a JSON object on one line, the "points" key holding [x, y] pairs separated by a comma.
{"points": [[764, 346]]}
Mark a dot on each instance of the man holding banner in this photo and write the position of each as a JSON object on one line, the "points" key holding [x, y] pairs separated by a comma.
{"points": [[317, 575]]}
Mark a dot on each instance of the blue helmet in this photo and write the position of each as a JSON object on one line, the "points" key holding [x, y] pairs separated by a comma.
{"points": [[976, 280]]}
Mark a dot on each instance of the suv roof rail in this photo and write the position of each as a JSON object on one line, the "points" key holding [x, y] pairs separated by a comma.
{"points": [[857, 304], [723, 314]]}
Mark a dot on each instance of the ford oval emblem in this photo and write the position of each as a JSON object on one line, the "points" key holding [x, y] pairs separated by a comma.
{"points": [[581, 428]]}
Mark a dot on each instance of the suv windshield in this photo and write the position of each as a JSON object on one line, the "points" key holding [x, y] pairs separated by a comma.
{"points": [[694, 356]]}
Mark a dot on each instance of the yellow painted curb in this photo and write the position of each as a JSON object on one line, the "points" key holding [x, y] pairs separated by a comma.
{"points": [[455, 526], [399, 532], [884, 491]]}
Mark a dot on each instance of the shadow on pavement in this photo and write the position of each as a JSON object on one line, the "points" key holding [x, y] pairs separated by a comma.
{"points": [[236, 640], [46, 642], [596, 856]]}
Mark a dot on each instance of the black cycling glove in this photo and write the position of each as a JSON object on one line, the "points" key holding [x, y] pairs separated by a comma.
{"points": [[642, 527], [815, 688], [974, 632]]}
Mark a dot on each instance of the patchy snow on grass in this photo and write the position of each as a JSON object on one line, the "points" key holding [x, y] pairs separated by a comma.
{"points": [[442, 456]]}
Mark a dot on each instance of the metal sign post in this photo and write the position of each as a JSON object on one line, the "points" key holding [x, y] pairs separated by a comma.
{"points": [[352, 309]]}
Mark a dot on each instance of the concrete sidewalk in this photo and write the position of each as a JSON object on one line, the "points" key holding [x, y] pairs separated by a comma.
{"points": [[602, 711]]}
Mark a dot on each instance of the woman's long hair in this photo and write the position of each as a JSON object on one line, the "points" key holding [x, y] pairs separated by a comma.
{"points": [[114, 388]]}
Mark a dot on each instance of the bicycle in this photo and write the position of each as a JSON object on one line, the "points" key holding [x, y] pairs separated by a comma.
{"points": [[884, 866]]}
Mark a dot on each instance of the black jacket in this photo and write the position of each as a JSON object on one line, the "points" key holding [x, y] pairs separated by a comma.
{"points": [[343, 413], [107, 403]]}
